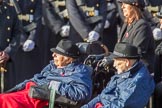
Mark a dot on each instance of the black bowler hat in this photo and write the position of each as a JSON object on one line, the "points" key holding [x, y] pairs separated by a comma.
{"points": [[67, 48], [125, 50], [138, 3]]}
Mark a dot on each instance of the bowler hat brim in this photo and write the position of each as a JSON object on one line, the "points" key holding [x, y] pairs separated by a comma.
{"points": [[115, 56], [61, 53], [123, 1]]}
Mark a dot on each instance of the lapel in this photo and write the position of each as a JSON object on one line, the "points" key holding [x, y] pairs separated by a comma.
{"points": [[124, 27], [127, 31]]}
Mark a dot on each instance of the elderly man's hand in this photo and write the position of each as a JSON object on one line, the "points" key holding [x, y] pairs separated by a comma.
{"points": [[3, 57]]}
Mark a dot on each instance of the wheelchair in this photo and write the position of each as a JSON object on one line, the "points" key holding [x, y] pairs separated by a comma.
{"points": [[93, 54]]}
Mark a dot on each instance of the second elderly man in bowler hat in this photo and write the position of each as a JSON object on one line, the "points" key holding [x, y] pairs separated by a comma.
{"points": [[69, 77], [131, 87]]}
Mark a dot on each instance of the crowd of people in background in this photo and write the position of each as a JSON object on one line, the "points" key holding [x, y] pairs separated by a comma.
{"points": [[30, 28]]}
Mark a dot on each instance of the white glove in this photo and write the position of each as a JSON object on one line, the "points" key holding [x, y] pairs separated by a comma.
{"points": [[93, 36], [107, 24], [54, 85], [65, 31], [28, 45], [157, 34]]}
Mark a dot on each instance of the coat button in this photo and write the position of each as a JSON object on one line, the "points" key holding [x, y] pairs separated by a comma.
{"points": [[8, 40], [5, 7], [8, 17], [31, 10], [8, 28]]}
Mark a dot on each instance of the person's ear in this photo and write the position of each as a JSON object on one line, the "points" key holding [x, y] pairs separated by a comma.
{"points": [[127, 62]]}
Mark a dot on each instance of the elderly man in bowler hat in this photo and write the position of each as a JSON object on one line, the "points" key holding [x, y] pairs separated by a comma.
{"points": [[69, 77], [131, 87]]}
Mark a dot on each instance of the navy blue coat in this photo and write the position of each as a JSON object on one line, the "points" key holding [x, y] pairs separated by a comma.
{"points": [[9, 40], [9, 29]]}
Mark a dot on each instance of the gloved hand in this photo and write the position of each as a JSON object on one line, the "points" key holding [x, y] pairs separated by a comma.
{"points": [[93, 36], [54, 85], [65, 31], [157, 34], [107, 24], [28, 45]]}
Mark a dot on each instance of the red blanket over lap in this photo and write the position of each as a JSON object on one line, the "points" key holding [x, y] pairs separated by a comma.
{"points": [[21, 99]]}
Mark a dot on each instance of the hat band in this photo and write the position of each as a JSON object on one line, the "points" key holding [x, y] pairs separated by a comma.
{"points": [[119, 54], [61, 50]]}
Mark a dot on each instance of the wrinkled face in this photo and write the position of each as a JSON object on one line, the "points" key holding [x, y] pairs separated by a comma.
{"points": [[60, 60], [121, 65], [127, 10]]}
